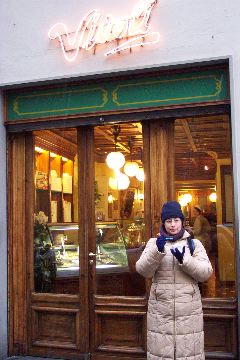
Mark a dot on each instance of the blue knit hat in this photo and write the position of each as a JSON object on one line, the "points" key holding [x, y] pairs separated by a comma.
{"points": [[171, 209]]}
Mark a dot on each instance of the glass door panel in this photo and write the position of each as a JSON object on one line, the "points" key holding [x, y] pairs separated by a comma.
{"points": [[204, 187], [56, 246], [119, 208]]}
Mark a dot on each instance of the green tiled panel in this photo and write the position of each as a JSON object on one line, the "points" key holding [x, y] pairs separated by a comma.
{"points": [[158, 91]]}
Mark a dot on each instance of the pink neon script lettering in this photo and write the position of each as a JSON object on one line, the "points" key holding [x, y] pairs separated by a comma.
{"points": [[96, 29]]}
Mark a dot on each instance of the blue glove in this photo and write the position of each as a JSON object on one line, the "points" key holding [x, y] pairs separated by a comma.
{"points": [[160, 242], [178, 254]]}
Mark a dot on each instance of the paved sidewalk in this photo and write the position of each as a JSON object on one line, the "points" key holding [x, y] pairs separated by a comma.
{"points": [[29, 358]]}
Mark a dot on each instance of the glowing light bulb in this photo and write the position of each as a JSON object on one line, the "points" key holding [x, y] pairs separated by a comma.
{"points": [[131, 168], [39, 150], [119, 182], [187, 198], [213, 197], [115, 160], [110, 198], [140, 174], [182, 201]]}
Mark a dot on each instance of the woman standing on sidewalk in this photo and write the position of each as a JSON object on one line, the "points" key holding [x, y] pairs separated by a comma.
{"points": [[176, 264]]}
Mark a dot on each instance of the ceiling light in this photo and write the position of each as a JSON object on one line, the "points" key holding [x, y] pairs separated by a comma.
{"points": [[39, 150], [182, 201], [119, 182], [213, 197], [206, 167], [131, 168], [110, 198], [115, 160], [140, 174], [185, 199]]}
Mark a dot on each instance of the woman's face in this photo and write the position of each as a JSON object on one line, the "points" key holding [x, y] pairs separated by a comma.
{"points": [[173, 225], [195, 212]]}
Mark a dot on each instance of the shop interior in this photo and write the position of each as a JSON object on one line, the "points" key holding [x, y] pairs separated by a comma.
{"points": [[203, 177]]}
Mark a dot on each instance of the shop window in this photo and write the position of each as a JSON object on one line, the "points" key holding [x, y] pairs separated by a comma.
{"points": [[203, 174], [119, 208]]}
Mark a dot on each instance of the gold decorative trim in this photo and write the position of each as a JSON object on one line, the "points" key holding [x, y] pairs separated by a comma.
{"points": [[15, 106]]}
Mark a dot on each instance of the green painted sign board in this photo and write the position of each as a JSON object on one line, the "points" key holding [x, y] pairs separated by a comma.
{"points": [[116, 95]]}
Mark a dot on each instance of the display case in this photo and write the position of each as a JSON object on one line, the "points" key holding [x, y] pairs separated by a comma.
{"points": [[57, 265], [111, 255]]}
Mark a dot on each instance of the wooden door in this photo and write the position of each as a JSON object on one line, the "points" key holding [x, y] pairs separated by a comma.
{"points": [[118, 298], [45, 324]]}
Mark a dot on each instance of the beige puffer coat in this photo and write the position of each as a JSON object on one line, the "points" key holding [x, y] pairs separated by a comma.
{"points": [[175, 318]]}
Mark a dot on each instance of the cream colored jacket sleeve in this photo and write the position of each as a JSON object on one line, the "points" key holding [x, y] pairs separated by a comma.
{"points": [[198, 265], [149, 260]]}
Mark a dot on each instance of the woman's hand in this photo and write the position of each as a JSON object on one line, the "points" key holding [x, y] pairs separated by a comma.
{"points": [[160, 242], [178, 254]]}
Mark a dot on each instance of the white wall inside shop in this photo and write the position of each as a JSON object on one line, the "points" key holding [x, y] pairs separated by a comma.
{"points": [[190, 31], [3, 239]]}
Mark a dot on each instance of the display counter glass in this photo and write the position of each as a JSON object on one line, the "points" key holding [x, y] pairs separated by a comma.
{"points": [[57, 261], [111, 253]]}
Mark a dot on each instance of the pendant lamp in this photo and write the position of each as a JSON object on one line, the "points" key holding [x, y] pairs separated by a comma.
{"points": [[213, 197], [140, 174], [131, 167], [119, 182], [115, 159]]}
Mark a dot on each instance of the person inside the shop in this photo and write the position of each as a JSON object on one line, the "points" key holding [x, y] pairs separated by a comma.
{"points": [[201, 228], [176, 263]]}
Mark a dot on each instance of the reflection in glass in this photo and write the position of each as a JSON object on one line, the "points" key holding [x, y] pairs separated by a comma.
{"points": [[203, 177]]}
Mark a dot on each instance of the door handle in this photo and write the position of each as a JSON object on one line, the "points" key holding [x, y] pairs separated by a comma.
{"points": [[91, 254]]}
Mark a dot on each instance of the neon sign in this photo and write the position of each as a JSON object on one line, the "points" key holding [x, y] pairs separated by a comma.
{"points": [[97, 29]]}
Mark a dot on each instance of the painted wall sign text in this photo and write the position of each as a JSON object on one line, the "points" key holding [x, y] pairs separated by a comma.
{"points": [[97, 29]]}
